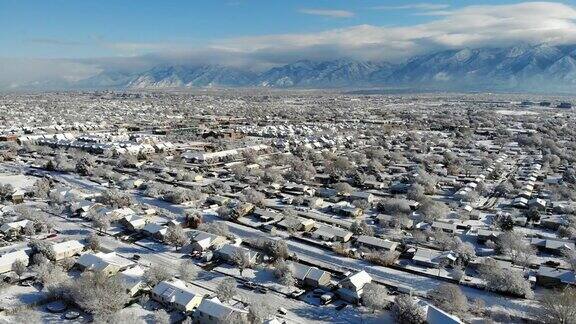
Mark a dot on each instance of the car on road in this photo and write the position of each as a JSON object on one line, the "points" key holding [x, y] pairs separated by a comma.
{"points": [[262, 289], [135, 257], [282, 311], [297, 293], [249, 284]]}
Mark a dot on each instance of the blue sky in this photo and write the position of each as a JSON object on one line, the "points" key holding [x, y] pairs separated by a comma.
{"points": [[74, 39], [82, 28]]}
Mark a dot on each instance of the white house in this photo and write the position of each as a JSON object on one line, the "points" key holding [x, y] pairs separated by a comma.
{"points": [[176, 294], [66, 249], [212, 311], [8, 259], [132, 279], [110, 263], [351, 287]]}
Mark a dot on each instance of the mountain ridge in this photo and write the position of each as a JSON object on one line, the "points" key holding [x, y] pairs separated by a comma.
{"points": [[524, 67]]}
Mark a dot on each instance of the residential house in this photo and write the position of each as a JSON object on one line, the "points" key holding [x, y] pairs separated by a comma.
{"points": [[66, 249], [297, 223], [109, 263], [177, 295], [346, 209], [266, 215], [552, 245], [117, 214], [444, 227], [155, 230], [485, 235], [432, 258], [227, 252], [362, 195], [435, 315], [203, 241], [555, 277], [14, 228], [310, 276], [213, 311], [352, 286], [132, 279], [332, 234], [133, 222], [375, 243], [8, 259]]}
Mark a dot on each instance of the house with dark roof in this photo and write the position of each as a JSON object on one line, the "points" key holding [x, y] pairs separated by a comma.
{"points": [[552, 245], [375, 243], [555, 277], [332, 234], [310, 276]]}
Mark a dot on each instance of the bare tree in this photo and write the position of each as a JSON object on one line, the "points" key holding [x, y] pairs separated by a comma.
{"points": [[156, 274], [513, 245], [504, 280], [188, 271], [161, 317], [450, 298], [19, 267], [176, 237], [101, 222], [259, 311], [99, 294], [285, 274], [570, 257], [241, 260], [94, 242], [226, 289], [360, 227], [406, 310], [558, 306], [343, 188], [374, 296], [218, 228]]}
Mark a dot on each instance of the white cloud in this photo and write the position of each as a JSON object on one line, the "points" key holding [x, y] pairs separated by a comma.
{"points": [[414, 6], [473, 26], [328, 13]]}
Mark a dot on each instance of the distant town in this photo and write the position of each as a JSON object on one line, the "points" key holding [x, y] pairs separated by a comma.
{"points": [[287, 206]]}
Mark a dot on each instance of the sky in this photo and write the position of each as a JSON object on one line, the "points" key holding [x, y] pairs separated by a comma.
{"points": [[74, 39]]}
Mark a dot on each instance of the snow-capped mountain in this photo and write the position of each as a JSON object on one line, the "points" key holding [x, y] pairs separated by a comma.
{"points": [[197, 76], [528, 68], [337, 73]]}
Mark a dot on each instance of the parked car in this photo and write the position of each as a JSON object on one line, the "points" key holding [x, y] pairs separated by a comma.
{"points": [[282, 311], [327, 298], [341, 306], [318, 292], [136, 257]]}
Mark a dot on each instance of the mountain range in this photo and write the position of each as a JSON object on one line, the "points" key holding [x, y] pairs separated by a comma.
{"points": [[525, 68]]}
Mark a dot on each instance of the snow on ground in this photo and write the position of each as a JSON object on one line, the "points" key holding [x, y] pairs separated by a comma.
{"points": [[15, 296], [18, 181], [515, 112]]}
